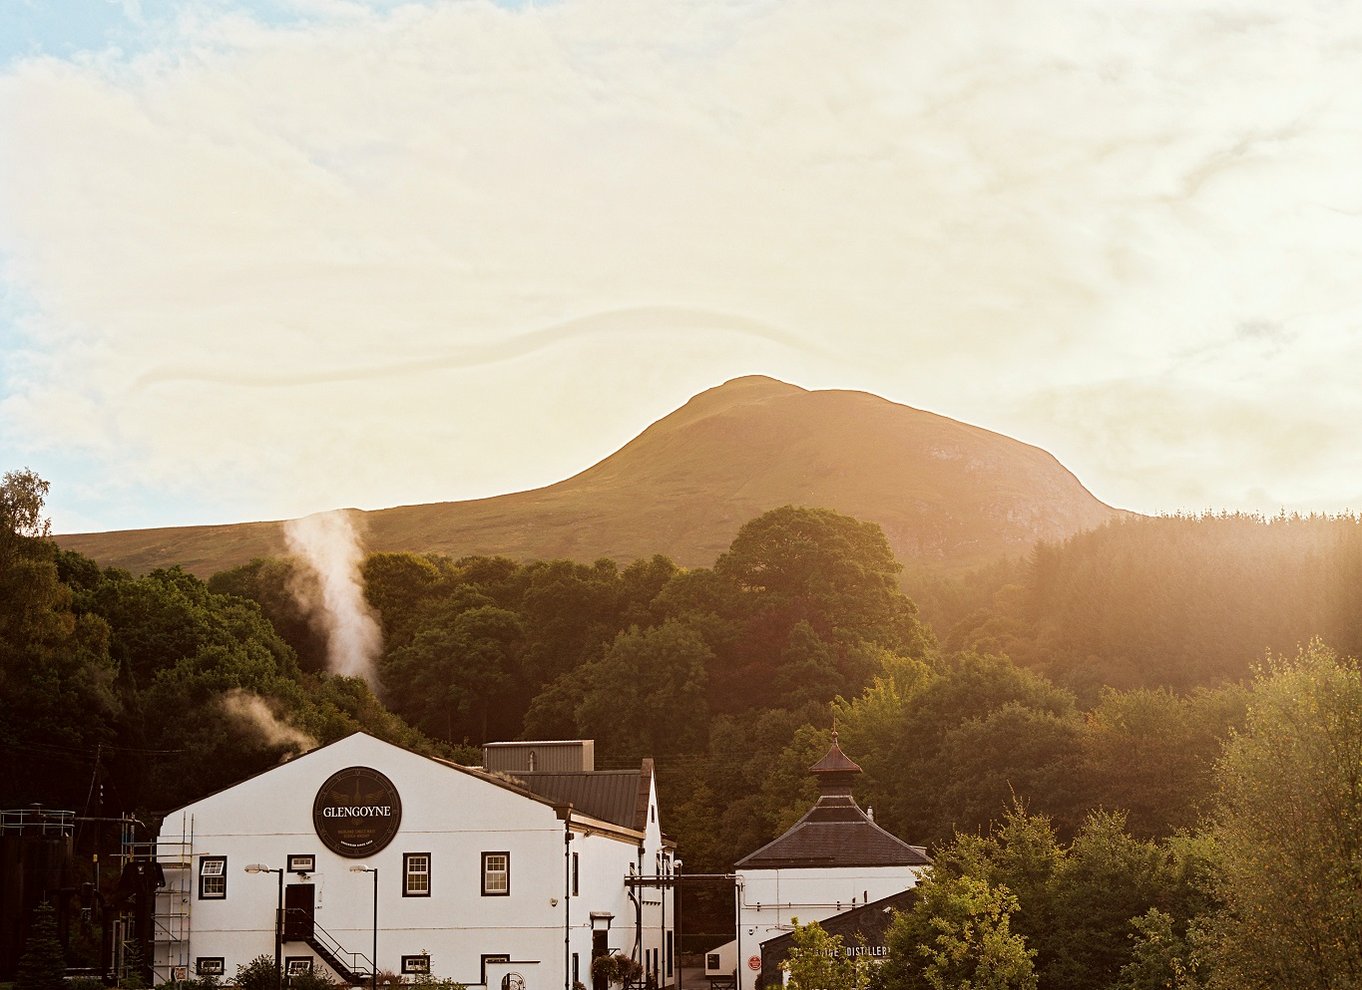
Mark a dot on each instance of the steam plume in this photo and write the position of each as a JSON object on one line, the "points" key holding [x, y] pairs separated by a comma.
{"points": [[256, 713], [327, 545]]}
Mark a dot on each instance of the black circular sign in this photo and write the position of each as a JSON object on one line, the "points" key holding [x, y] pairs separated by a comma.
{"points": [[357, 812]]}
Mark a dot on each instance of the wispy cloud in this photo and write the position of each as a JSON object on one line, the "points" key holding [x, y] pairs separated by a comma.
{"points": [[660, 321], [473, 247]]}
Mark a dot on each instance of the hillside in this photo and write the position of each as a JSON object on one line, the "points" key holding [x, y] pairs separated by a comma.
{"points": [[949, 496]]}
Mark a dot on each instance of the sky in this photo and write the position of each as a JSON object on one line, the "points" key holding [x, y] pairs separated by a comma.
{"points": [[263, 258]]}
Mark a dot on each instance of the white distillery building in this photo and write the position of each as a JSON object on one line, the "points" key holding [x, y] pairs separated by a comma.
{"points": [[833, 860], [511, 878]]}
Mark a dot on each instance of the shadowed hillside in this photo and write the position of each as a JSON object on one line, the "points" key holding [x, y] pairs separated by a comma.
{"points": [[948, 496]]}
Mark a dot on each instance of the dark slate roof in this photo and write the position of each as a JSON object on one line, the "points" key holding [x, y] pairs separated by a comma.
{"points": [[870, 921], [835, 832], [618, 796], [835, 761]]}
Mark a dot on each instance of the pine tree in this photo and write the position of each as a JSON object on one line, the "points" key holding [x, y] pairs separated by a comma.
{"points": [[42, 965]]}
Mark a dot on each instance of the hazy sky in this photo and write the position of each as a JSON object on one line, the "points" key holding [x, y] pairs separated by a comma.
{"points": [[259, 259]]}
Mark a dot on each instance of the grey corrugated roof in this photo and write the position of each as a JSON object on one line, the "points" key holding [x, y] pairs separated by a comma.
{"points": [[610, 795]]}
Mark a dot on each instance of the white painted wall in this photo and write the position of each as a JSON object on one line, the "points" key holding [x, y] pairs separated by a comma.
{"points": [[770, 900], [449, 813]]}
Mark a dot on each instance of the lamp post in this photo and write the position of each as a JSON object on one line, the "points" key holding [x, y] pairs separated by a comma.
{"points": [[278, 921], [373, 962]]}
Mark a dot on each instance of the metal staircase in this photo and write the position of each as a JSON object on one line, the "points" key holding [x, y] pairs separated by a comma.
{"points": [[354, 968]]}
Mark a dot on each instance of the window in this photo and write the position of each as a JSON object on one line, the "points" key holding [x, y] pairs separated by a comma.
{"points": [[208, 966], [302, 864], [670, 945], [416, 874], [416, 965], [297, 965], [712, 961], [496, 874], [212, 878], [576, 968], [574, 874]]}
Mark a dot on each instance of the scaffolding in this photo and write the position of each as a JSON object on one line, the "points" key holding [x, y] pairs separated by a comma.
{"points": [[170, 915]]}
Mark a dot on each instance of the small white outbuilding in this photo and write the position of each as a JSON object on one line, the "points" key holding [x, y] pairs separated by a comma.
{"points": [[362, 856]]}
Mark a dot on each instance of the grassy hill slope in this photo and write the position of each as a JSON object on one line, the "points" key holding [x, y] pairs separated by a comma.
{"points": [[949, 496]]}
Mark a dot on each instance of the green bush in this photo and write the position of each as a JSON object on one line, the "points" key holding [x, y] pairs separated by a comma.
{"points": [[258, 974]]}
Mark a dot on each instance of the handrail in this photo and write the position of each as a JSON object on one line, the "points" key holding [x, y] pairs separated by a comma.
{"points": [[328, 942]]}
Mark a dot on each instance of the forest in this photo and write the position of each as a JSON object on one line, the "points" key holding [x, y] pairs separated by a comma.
{"points": [[1096, 741]]}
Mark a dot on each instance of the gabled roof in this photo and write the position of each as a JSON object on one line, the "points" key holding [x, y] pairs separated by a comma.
{"points": [[616, 799]]}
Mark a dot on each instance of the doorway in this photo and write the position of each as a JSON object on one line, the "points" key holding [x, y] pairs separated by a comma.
{"points": [[300, 908]]}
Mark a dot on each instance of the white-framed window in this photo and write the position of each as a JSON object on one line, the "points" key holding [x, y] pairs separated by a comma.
{"points": [[416, 965], [212, 878], [302, 863], [209, 966], [297, 965], [416, 874], [496, 874]]}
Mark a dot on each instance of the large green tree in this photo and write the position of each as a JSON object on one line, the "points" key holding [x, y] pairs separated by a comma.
{"points": [[1080, 906], [1152, 753], [57, 698], [946, 751], [815, 591], [1288, 832], [957, 936], [830, 570], [454, 676], [645, 696], [275, 585], [819, 961]]}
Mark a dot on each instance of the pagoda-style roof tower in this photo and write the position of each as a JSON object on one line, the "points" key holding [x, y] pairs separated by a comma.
{"points": [[835, 832]]}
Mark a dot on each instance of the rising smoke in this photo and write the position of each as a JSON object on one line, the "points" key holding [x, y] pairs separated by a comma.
{"points": [[331, 592], [255, 712]]}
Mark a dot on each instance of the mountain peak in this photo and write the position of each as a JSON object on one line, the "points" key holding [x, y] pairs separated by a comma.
{"points": [[948, 495]]}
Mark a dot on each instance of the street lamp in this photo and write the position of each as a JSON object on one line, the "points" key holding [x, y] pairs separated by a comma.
{"points": [[373, 962], [278, 920]]}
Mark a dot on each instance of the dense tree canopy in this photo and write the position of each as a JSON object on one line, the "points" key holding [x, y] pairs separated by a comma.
{"points": [[1059, 753], [1167, 601]]}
